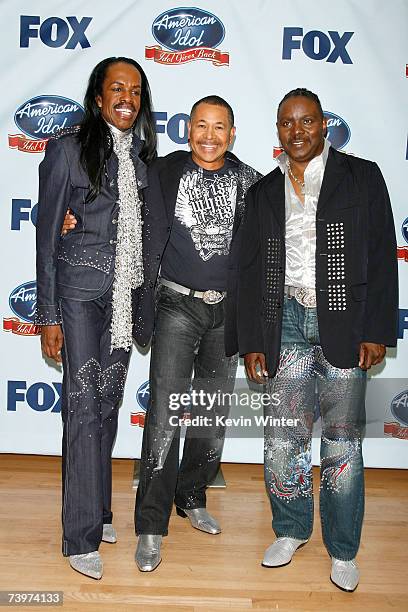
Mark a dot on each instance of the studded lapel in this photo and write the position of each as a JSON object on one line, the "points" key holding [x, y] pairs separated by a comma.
{"points": [[276, 198], [336, 170]]}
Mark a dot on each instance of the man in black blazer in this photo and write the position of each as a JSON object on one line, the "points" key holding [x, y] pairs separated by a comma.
{"points": [[317, 306], [194, 206]]}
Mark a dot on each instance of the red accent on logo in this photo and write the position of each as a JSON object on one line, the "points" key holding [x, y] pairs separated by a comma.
{"points": [[27, 145], [137, 418], [406, 70], [395, 430], [277, 151], [161, 56], [402, 253], [20, 328]]}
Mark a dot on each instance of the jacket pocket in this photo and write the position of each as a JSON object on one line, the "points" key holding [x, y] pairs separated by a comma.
{"points": [[78, 255], [359, 292], [83, 267], [348, 204]]}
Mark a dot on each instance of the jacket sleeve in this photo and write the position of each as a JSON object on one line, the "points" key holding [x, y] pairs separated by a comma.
{"points": [[55, 191], [249, 311], [154, 227], [382, 274], [155, 224]]}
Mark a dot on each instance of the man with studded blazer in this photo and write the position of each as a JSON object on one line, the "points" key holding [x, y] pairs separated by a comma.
{"points": [[317, 305]]}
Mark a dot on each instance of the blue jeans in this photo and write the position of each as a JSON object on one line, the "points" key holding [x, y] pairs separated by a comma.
{"points": [[187, 355], [303, 375]]}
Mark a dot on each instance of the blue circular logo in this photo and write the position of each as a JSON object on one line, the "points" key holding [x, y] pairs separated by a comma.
{"points": [[143, 395], [399, 408], [23, 301], [185, 28], [338, 132], [404, 230], [43, 116]]}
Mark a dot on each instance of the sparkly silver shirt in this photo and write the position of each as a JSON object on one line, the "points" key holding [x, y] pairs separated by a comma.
{"points": [[300, 235]]}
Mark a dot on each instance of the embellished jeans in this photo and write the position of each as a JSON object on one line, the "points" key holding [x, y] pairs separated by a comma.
{"points": [[92, 389], [304, 376], [188, 357]]}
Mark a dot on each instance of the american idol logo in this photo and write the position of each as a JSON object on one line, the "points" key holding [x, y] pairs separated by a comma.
{"points": [[22, 302], [338, 132], [42, 117], [185, 28], [143, 395], [142, 398], [399, 407], [399, 410], [404, 230], [402, 251], [189, 34]]}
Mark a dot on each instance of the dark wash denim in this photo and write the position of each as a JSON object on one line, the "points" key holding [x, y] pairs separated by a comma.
{"points": [[187, 354], [304, 374], [92, 389]]}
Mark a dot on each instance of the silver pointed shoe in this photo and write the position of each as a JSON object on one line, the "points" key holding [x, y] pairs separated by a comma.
{"points": [[281, 552], [345, 574], [200, 519], [147, 554], [109, 534], [89, 564]]}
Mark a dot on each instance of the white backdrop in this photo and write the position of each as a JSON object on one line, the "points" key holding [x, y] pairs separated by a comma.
{"points": [[353, 54]]}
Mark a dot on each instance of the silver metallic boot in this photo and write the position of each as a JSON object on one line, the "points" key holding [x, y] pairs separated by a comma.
{"points": [[200, 519], [281, 551], [345, 574], [89, 564], [109, 534], [147, 555]]}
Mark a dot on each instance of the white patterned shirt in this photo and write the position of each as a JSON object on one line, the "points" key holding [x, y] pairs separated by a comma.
{"points": [[300, 233]]}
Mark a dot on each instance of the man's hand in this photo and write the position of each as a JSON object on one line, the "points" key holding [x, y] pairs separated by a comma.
{"points": [[52, 339], [255, 366], [370, 354], [69, 223]]}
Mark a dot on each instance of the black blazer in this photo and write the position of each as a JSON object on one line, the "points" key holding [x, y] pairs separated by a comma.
{"points": [[164, 176], [354, 206], [80, 265]]}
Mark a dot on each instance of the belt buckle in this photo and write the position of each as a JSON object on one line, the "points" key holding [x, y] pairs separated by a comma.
{"points": [[306, 297], [212, 297]]}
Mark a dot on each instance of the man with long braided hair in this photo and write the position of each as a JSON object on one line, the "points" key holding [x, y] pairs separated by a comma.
{"points": [[87, 280]]}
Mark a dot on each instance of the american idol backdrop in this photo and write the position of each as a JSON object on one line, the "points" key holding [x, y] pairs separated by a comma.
{"points": [[353, 54]]}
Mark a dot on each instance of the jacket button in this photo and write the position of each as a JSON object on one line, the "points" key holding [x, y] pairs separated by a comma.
{"points": [[158, 257], [112, 241], [169, 228], [151, 284], [114, 221]]}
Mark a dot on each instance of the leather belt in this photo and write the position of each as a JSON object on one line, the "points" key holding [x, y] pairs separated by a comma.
{"points": [[209, 297], [304, 295]]}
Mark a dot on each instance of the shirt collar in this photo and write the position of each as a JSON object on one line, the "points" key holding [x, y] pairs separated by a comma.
{"points": [[281, 160], [229, 157], [118, 132]]}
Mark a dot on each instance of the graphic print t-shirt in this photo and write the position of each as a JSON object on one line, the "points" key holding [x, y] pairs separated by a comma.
{"points": [[196, 255]]}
